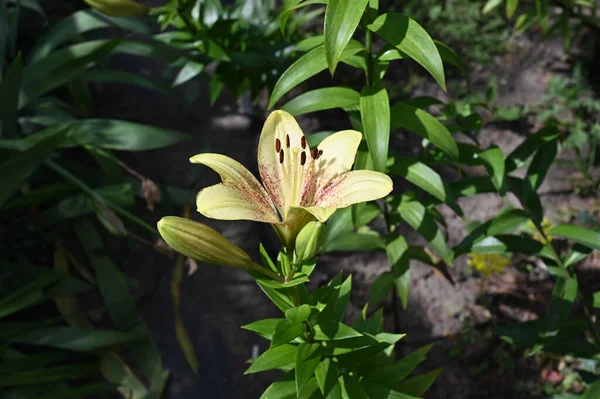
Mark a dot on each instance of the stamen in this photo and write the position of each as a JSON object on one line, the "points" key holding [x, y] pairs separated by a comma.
{"points": [[281, 156], [319, 154], [303, 142], [302, 157], [287, 140], [277, 145], [314, 152]]}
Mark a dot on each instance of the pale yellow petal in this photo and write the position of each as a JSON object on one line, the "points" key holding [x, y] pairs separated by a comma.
{"points": [[337, 156], [322, 214], [281, 149], [352, 188], [239, 197]]}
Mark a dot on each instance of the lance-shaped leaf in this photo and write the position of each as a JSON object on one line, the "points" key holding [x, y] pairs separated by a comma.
{"points": [[410, 38], [305, 67], [425, 125], [341, 19], [322, 99], [375, 115]]}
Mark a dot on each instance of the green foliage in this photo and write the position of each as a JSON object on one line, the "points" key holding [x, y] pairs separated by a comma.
{"points": [[60, 178], [461, 25]]}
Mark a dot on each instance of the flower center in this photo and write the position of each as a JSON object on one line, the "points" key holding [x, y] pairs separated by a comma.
{"points": [[296, 167]]}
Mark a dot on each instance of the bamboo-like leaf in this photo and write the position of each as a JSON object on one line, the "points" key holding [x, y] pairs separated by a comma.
{"points": [[410, 38], [305, 67], [17, 169], [341, 20], [425, 125], [322, 99], [375, 116]]}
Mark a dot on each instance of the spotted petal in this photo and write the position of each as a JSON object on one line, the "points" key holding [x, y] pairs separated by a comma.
{"points": [[350, 188], [337, 157], [279, 159], [239, 197]]}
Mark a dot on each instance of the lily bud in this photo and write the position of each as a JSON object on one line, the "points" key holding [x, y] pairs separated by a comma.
{"points": [[118, 8], [198, 241], [309, 240]]}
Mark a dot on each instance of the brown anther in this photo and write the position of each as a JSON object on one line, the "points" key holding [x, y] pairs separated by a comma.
{"points": [[302, 158], [281, 156], [277, 145], [287, 140], [314, 152], [319, 154], [303, 142]]}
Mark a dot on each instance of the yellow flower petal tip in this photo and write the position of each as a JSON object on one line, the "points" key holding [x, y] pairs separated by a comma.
{"points": [[198, 241], [299, 183], [118, 8]]}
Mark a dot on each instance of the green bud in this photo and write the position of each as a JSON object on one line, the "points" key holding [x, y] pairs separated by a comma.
{"points": [[309, 240], [198, 241]]}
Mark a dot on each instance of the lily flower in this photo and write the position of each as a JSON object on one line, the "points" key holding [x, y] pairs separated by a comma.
{"points": [[301, 184]]}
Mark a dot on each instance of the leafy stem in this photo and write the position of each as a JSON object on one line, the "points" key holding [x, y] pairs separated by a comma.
{"points": [[589, 313]]}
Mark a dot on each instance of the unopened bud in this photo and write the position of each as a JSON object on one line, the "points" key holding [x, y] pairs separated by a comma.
{"points": [[118, 8], [309, 240], [198, 241]]}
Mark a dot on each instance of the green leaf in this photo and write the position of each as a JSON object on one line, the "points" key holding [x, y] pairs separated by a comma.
{"points": [[279, 297], [285, 388], [77, 23], [285, 332], [420, 175], [288, 8], [119, 302], [380, 288], [265, 328], [9, 87], [78, 339], [17, 169], [279, 356], [426, 126], [308, 358], [110, 134], [375, 116], [362, 241], [322, 99], [304, 68], [341, 20], [380, 392], [397, 253], [391, 375], [410, 38], [580, 235], [298, 315], [327, 375], [593, 391], [449, 56], [508, 243], [527, 148], [490, 5], [511, 7], [188, 71], [494, 163], [50, 375], [416, 386], [61, 66], [416, 215], [540, 164], [113, 75], [328, 330]]}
